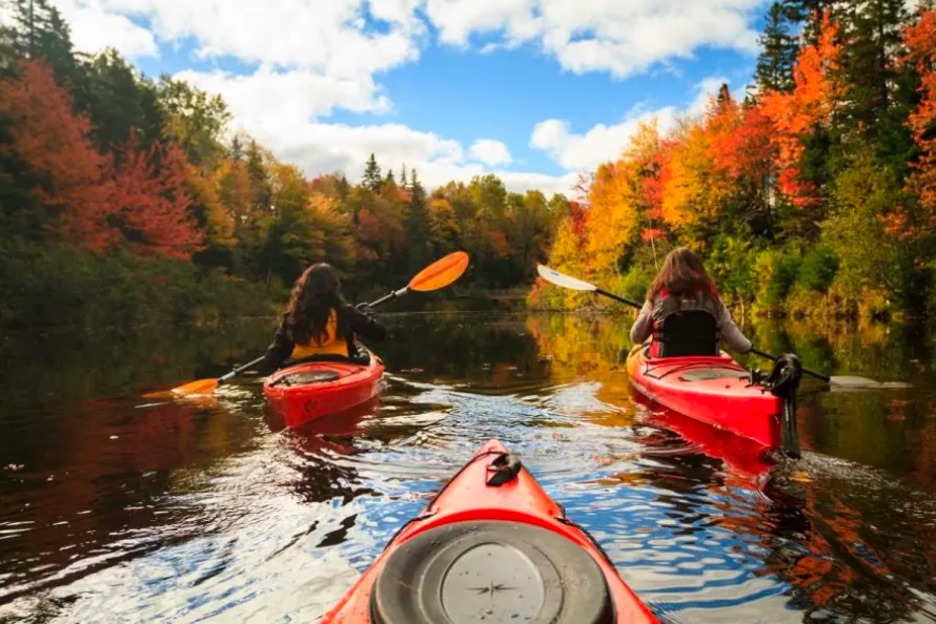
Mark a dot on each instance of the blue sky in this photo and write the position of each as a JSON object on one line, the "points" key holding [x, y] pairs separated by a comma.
{"points": [[533, 90]]}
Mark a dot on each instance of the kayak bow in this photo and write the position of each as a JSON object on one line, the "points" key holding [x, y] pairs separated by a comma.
{"points": [[491, 547]]}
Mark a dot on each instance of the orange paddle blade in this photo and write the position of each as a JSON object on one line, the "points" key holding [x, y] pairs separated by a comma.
{"points": [[441, 273], [202, 386]]}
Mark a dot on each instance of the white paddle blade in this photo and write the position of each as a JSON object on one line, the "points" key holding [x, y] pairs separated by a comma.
{"points": [[559, 279]]}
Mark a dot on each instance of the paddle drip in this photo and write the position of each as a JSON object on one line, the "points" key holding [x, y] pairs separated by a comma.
{"points": [[783, 382]]}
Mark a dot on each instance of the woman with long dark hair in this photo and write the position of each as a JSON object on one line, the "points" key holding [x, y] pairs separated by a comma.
{"points": [[319, 322], [683, 312]]}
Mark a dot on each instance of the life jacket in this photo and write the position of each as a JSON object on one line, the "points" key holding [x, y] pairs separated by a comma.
{"points": [[332, 345], [683, 328]]}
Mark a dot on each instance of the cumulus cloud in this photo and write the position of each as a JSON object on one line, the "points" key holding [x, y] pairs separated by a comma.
{"points": [[491, 152], [94, 28], [605, 142], [288, 97], [599, 144], [621, 38], [314, 57]]}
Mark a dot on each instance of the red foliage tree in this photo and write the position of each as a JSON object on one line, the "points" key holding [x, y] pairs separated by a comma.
{"points": [[149, 202], [95, 203], [68, 174]]}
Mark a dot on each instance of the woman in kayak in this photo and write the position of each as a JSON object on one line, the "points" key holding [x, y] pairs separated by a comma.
{"points": [[683, 312], [319, 323]]}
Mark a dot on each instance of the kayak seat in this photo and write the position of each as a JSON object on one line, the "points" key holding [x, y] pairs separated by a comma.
{"points": [[309, 377], [693, 332], [481, 572], [703, 374]]}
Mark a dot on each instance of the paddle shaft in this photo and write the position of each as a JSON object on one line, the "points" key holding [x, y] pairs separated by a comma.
{"points": [[239, 369], [769, 356], [764, 354], [393, 295]]}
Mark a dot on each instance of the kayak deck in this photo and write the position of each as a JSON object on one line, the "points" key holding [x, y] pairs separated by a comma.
{"points": [[487, 534], [716, 390], [307, 391]]}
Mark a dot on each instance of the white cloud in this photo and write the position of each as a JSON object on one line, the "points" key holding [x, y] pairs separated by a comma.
{"points": [[491, 152], [319, 56], [601, 143], [606, 142], [620, 37], [331, 37], [93, 28], [286, 97]]}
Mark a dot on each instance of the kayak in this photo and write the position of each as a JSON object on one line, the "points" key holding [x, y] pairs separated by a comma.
{"points": [[719, 391], [491, 547], [308, 391]]}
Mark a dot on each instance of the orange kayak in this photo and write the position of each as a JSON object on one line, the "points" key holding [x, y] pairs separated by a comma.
{"points": [[309, 390], [491, 547]]}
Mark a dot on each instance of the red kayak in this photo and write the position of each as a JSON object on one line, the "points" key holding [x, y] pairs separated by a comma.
{"points": [[309, 390], [491, 547], [719, 391]]}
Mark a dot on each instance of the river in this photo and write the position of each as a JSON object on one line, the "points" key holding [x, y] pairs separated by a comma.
{"points": [[115, 508]]}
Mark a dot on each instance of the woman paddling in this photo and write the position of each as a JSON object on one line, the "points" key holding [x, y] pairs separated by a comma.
{"points": [[320, 324], [683, 312]]}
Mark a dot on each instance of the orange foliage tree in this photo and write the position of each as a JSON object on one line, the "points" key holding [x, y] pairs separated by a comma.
{"points": [[921, 43], [815, 96]]}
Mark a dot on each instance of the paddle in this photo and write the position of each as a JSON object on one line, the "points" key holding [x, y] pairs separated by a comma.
{"points": [[437, 275], [560, 279]]}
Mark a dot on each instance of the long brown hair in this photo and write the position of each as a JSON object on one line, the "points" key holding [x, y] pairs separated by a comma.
{"points": [[683, 275], [316, 293]]}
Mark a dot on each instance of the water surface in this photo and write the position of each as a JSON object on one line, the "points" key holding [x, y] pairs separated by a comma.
{"points": [[118, 509]]}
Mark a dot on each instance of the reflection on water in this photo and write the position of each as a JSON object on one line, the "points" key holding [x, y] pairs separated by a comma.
{"points": [[115, 509]]}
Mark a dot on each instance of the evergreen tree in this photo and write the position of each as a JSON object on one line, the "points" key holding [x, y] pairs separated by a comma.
{"points": [[119, 101], [390, 179], [416, 225], [775, 63], [40, 31], [372, 178], [874, 30]]}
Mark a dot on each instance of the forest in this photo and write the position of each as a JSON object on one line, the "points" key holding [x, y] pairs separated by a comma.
{"points": [[812, 194], [128, 199], [125, 199]]}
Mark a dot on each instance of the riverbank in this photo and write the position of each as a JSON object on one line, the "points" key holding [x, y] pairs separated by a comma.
{"points": [[60, 285]]}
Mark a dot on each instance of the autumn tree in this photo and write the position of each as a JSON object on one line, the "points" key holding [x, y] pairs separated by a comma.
{"points": [[149, 204], [806, 111], [50, 151]]}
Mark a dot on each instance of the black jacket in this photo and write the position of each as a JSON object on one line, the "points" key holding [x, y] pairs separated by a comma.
{"points": [[352, 322]]}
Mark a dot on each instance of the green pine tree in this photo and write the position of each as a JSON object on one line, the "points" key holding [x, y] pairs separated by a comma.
{"points": [[775, 63], [416, 225], [372, 178]]}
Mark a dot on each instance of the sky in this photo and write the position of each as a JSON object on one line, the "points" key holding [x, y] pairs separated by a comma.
{"points": [[535, 91]]}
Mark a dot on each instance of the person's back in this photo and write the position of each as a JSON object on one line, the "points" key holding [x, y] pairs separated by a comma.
{"points": [[683, 312], [319, 323]]}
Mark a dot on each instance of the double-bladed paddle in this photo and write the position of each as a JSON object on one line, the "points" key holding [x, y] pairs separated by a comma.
{"points": [[437, 275], [566, 281]]}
